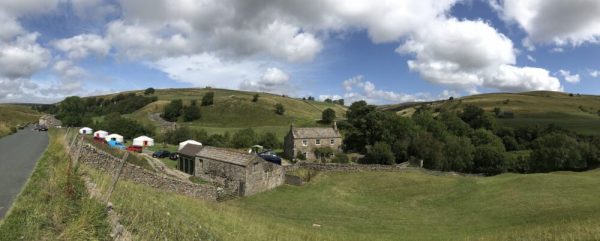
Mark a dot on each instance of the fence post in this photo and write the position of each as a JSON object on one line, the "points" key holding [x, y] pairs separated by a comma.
{"points": [[116, 177]]}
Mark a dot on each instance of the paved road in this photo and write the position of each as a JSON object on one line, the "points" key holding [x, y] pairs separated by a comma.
{"points": [[18, 154]]}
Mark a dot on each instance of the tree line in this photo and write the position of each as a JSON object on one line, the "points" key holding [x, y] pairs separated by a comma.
{"points": [[467, 140], [243, 138]]}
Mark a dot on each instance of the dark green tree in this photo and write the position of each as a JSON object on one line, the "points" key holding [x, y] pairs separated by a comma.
{"points": [[380, 153], [489, 160], [173, 110], [208, 98], [328, 116], [557, 152], [255, 98], [192, 112], [244, 138], [269, 140], [458, 154], [279, 109], [149, 91]]}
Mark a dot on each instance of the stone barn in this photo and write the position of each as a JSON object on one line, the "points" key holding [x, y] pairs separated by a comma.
{"points": [[49, 121], [237, 171], [306, 140]]}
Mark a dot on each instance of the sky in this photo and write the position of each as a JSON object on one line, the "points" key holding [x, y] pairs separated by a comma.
{"points": [[386, 51]]}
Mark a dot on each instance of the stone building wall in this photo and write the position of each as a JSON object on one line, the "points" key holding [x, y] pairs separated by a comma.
{"points": [[105, 162], [262, 176], [292, 146]]}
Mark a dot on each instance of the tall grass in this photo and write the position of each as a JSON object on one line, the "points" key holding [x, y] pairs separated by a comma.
{"points": [[54, 205]]}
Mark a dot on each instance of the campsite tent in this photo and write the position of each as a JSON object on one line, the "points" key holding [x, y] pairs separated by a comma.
{"points": [[100, 134], [114, 137], [86, 131], [182, 144], [143, 141]]}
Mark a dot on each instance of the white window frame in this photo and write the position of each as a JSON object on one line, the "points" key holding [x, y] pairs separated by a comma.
{"points": [[332, 142], [318, 142], [304, 142]]}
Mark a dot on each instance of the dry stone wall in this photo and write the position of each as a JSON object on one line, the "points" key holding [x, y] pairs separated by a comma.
{"points": [[103, 161]]}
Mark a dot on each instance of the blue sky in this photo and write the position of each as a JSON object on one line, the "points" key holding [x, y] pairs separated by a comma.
{"points": [[383, 52]]}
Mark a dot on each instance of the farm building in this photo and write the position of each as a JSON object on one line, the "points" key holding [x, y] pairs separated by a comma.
{"points": [[49, 121], [114, 137], [86, 131], [100, 134], [307, 140], [182, 144], [143, 141], [245, 173]]}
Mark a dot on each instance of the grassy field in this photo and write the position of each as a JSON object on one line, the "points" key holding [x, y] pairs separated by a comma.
{"points": [[14, 115], [579, 113], [47, 210], [377, 206], [234, 110]]}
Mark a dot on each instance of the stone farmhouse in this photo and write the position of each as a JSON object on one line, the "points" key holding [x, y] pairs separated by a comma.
{"points": [[306, 140], [236, 171]]}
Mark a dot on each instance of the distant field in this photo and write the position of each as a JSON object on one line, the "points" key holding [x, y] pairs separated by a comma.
{"points": [[14, 115], [378, 206], [579, 113], [234, 110]]}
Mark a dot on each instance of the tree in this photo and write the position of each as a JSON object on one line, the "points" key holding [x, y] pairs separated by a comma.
{"points": [[244, 138], [255, 98], [207, 99], [269, 140], [477, 118], [357, 111], [172, 111], [380, 153], [489, 160], [279, 109], [328, 116], [191, 113], [149, 91], [497, 111], [458, 154], [483, 137], [328, 100], [454, 124], [557, 151], [339, 102], [425, 147]]}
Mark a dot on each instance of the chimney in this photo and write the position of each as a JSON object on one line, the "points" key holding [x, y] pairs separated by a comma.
{"points": [[335, 125]]}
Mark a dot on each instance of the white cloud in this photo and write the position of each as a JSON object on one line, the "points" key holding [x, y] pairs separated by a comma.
{"points": [[273, 80], [557, 50], [331, 97], [93, 9], [359, 89], [557, 21], [511, 78], [22, 57], [594, 73], [81, 46], [571, 78], [20, 7]]}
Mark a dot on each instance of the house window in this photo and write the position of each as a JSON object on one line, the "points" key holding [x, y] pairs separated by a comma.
{"points": [[318, 142], [332, 141], [304, 142]]}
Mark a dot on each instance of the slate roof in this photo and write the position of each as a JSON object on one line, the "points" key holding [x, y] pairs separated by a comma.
{"points": [[315, 133], [190, 150], [227, 155]]}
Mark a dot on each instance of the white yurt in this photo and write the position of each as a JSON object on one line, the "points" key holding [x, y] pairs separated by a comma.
{"points": [[143, 141], [100, 134], [86, 131], [114, 137], [182, 144]]}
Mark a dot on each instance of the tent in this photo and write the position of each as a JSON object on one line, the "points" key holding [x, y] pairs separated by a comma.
{"points": [[100, 134], [114, 137], [86, 131], [143, 141], [182, 144]]}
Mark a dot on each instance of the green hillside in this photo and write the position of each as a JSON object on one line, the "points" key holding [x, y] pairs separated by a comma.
{"points": [[410, 205], [234, 110], [14, 115], [580, 113]]}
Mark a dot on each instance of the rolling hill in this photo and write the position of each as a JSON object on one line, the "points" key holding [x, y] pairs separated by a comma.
{"points": [[14, 115], [580, 113], [233, 110]]}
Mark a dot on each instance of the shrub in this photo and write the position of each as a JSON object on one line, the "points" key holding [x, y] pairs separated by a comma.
{"points": [[255, 98], [300, 155], [279, 109], [149, 91], [323, 152], [340, 157], [172, 111], [269, 140], [489, 160], [191, 113], [244, 138], [208, 99], [380, 153]]}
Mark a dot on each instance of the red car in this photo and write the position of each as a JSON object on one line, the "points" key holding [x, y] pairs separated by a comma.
{"points": [[99, 140], [137, 149]]}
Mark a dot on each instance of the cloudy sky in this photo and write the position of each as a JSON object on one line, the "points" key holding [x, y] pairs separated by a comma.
{"points": [[385, 51]]}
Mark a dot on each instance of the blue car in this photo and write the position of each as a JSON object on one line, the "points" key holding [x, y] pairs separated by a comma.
{"points": [[116, 144], [270, 157]]}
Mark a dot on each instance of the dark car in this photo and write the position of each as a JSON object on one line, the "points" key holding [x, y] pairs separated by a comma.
{"points": [[134, 148], [270, 157], [161, 154], [174, 156]]}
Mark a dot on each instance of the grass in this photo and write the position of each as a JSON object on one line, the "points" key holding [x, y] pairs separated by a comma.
{"points": [[578, 112], [377, 206], [15, 115], [234, 110], [46, 210]]}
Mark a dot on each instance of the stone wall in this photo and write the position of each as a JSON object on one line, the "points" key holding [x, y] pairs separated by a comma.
{"points": [[103, 161], [263, 176], [336, 167]]}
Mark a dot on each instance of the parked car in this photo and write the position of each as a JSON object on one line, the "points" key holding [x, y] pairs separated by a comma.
{"points": [[174, 156], [135, 148], [270, 157], [116, 145], [161, 154]]}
